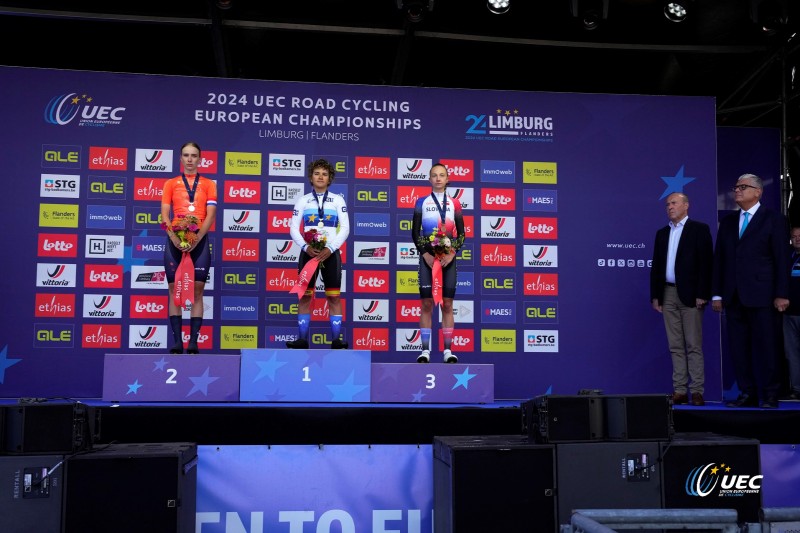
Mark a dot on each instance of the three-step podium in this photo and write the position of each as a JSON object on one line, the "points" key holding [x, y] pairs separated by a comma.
{"points": [[283, 375]]}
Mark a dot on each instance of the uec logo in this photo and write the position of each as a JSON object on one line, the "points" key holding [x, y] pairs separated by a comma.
{"points": [[702, 481]]}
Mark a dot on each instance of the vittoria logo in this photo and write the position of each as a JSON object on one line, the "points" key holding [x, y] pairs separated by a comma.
{"points": [[102, 306], [55, 275], [153, 160], [371, 310], [413, 169]]}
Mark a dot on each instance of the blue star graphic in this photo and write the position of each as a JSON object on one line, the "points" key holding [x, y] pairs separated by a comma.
{"points": [[160, 364], [127, 259], [275, 397], [6, 362], [346, 391], [268, 368], [675, 183], [417, 398], [201, 383], [462, 379], [133, 388], [390, 371]]}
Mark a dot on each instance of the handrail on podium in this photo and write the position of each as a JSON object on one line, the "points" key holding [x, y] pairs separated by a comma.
{"points": [[610, 520]]}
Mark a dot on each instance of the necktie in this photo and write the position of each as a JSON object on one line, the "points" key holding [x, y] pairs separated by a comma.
{"points": [[744, 223]]}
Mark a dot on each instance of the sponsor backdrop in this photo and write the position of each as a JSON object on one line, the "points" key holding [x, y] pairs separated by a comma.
{"points": [[562, 194]]}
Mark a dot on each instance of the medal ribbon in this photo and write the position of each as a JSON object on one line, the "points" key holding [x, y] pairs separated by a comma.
{"points": [[193, 189], [442, 208], [321, 206], [436, 269]]}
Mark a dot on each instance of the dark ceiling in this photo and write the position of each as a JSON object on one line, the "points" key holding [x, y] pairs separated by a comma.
{"points": [[539, 45]]}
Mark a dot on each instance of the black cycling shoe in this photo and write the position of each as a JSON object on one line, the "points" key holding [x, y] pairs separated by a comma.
{"points": [[298, 344], [177, 348], [339, 344], [192, 348]]}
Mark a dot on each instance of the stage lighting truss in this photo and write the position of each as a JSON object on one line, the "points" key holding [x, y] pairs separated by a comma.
{"points": [[591, 13], [415, 9], [675, 11], [770, 15], [498, 7]]}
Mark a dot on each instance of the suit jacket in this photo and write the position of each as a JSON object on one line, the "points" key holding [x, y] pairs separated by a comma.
{"points": [[693, 261], [752, 268]]}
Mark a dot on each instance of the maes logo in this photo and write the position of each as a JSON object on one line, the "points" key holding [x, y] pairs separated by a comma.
{"points": [[713, 479]]}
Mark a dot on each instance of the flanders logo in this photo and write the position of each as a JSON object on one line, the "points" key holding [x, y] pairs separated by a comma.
{"points": [[245, 163], [58, 215], [720, 480], [235, 337]]}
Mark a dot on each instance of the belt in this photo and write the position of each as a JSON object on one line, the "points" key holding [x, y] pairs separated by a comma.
{"points": [[668, 284]]}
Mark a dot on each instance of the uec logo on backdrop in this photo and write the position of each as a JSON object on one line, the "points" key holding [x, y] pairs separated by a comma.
{"points": [[702, 480], [62, 109]]}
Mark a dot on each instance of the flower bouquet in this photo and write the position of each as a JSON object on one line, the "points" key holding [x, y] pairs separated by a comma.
{"points": [[186, 228], [442, 245], [315, 239]]}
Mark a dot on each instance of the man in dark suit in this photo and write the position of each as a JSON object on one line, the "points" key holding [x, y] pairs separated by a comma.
{"points": [[680, 287], [751, 282]]}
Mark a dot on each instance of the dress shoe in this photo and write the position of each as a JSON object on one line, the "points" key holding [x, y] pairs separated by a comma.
{"points": [[679, 398], [697, 399], [744, 400], [770, 403], [297, 344]]}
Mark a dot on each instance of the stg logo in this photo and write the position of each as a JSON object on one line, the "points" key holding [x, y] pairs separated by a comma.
{"points": [[703, 480]]}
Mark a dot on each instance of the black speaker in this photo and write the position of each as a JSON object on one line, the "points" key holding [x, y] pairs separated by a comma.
{"points": [[711, 471], [130, 488], [30, 493], [638, 417], [607, 475], [493, 483], [556, 418], [50, 428]]}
